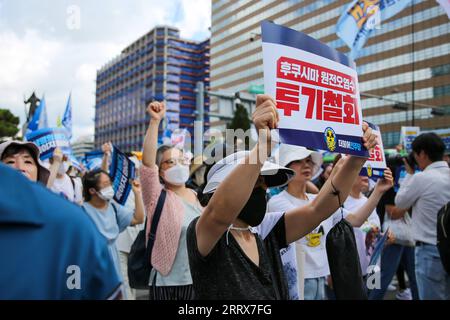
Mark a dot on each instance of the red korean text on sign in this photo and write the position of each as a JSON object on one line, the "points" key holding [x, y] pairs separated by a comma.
{"points": [[376, 154], [335, 100]]}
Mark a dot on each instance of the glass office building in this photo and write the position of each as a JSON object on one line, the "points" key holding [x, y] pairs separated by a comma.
{"points": [[406, 59], [158, 66]]}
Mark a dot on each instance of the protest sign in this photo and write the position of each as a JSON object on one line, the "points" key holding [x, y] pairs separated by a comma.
{"points": [[375, 165], [407, 136], [378, 248], [444, 134], [316, 90], [48, 139], [121, 171]]}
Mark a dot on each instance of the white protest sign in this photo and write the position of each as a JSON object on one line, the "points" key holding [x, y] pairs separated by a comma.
{"points": [[375, 165], [316, 90]]}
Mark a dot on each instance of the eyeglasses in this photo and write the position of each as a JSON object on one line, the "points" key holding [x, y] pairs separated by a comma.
{"points": [[174, 161]]}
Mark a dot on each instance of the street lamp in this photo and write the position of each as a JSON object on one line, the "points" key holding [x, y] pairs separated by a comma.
{"points": [[437, 112], [403, 105]]}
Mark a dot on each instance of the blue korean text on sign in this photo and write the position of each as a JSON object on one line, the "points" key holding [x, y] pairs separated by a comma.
{"points": [[48, 139]]}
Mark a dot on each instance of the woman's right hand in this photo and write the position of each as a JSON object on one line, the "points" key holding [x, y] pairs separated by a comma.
{"points": [[58, 155], [157, 110]]}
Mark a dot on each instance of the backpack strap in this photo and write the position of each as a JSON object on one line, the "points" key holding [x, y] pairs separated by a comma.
{"points": [[115, 212], [73, 183], [154, 224]]}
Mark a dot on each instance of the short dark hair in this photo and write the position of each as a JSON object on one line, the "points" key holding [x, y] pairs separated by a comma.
{"points": [[90, 180], [431, 144]]}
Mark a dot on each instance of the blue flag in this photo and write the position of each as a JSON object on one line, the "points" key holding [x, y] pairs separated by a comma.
{"points": [[361, 17], [39, 120], [67, 118]]}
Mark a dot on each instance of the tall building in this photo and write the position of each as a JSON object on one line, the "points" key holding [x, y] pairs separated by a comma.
{"points": [[83, 145], [158, 66], [391, 65]]}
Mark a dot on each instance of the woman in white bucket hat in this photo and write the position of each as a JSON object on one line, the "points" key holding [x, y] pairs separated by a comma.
{"points": [[228, 258]]}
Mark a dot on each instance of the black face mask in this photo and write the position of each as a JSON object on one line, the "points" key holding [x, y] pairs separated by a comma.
{"points": [[255, 209]]}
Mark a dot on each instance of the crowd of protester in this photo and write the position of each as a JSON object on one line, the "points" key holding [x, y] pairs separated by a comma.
{"points": [[251, 225]]}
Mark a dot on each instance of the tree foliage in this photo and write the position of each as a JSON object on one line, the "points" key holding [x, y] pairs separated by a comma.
{"points": [[8, 123]]}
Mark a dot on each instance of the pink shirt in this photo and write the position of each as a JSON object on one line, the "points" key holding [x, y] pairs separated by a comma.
{"points": [[169, 227]]}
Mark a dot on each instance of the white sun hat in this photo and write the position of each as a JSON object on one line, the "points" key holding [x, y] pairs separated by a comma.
{"points": [[274, 174], [287, 153]]}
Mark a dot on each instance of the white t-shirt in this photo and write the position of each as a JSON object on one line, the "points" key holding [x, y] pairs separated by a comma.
{"points": [[313, 244], [78, 190], [64, 187], [352, 205]]}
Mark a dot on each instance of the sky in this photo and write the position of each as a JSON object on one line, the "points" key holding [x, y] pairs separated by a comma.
{"points": [[55, 47]]}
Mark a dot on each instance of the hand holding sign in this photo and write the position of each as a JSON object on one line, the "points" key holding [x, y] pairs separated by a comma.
{"points": [[386, 183], [265, 118], [369, 138], [157, 110], [136, 185], [57, 155], [107, 148]]}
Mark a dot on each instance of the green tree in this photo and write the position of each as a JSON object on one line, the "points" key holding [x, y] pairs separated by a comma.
{"points": [[8, 123], [240, 121]]}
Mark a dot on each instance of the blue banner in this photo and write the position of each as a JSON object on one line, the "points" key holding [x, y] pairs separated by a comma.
{"points": [[361, 17], [121, 171], [93, 160], [48, 139], [76, 163]]}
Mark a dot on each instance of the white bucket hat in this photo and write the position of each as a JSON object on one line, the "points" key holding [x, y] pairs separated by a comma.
{"points": [[287, 153], [274, 174]]}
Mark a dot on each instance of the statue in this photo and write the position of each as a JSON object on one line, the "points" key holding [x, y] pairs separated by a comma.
{"points": [[33, 101]]}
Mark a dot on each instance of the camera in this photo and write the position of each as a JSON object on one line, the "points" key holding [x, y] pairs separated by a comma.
{"points": [[395, 160]]}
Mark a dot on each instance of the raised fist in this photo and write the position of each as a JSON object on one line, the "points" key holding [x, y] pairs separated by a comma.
{"points": [[157, 110]]}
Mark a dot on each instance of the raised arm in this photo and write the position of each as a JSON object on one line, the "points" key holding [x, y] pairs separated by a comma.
{"points": [[107, 149], [57, 159], [358, 218], [300, 221], [234, 192], [138, 217], [157, 110]]}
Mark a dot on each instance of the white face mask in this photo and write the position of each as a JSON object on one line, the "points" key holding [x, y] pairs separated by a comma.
{"points": [[106, 193], [177, 175]]}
